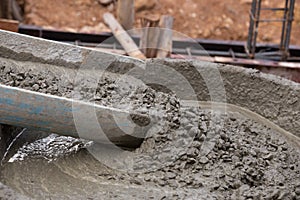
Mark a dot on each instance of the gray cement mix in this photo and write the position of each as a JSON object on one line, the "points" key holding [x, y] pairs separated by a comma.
{"points": [[248, 160], [274, 98], [194, 154]]}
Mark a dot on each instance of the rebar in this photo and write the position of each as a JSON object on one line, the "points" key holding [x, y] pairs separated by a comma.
{"points": [[286, 27]]}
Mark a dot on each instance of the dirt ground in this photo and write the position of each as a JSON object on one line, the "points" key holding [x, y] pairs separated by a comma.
{"points": [[213, 19]]}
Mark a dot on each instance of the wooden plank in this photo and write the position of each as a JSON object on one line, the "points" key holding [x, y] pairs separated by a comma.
{"points": [[9, 25], [166, 36], [150, 36], [122, 36], [125, 13], [16, 11]]}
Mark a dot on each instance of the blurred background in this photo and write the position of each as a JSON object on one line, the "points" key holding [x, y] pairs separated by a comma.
{"points": [[210, 19]]}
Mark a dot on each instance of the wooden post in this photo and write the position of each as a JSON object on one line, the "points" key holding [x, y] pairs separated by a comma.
{"points": [[166, 36], [125, 13], [10, 9], [123, 37], [156, 39], [150, 36], [5, 9], [16, 10], [2, 3]]}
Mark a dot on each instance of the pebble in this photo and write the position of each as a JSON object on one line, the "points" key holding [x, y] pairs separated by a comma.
{"points": [[35, 87], [268, 156], [207, 173], [204, 160], [194, 131], [274, 195], [297, 190], [135, 181], [170, 175]]}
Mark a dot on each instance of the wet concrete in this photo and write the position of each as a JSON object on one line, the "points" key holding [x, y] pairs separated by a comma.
{"points": [[247, 160], [195, 153], [7, 193], [202, 152], [274, 98]]}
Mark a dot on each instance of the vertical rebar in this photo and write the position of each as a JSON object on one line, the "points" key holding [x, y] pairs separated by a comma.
{"points": [[283, 49], [290, 20], [286, 28], [283, 31], [253, 27], [257, 15]]}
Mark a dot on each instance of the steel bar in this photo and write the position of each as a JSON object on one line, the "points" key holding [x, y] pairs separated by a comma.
{"points": [[253, 28], [272, 20], [283, 31], [256, 26], [274, 9], [286, 28]]}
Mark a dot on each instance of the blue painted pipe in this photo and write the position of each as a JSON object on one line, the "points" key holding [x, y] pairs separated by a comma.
{"points": [[68, 117]]}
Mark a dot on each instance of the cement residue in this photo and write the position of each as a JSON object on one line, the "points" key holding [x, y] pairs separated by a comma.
{"points": [[272, 97], [50, 148], [189, 151], [247, 160], [192, 153], [7, 193]]}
